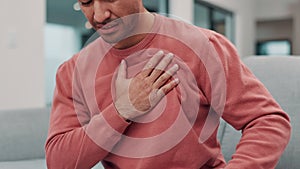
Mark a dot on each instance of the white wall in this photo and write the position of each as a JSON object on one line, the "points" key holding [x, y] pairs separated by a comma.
{"points": [[273, 9], [274, 29], [245, 21], [296, 29], [22, 54]]}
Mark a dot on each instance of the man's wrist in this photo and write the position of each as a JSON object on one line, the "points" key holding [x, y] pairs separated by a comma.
{"points": [[127, 119]]}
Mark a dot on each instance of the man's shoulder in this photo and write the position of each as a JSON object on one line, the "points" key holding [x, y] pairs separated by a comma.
{"points": [[67, 67]]}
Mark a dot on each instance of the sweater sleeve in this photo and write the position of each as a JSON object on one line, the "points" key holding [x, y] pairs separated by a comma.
{"points": [[76, 140], [249, 107]]}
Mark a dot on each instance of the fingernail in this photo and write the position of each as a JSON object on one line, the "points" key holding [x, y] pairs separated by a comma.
{"points": [[123, 62], [160, 52], [176, 67], [170, 55], [176, 80]]}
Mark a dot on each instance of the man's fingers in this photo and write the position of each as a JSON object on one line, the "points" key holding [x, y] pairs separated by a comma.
{"points": [[165, 76], [167, 88], [150, 65], [161, 66], [122, 72]]}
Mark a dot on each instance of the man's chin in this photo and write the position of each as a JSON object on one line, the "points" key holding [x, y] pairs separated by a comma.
{"points": [[111, 39]]}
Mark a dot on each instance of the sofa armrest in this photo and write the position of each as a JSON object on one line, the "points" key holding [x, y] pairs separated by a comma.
{"points": [[23, 133]]}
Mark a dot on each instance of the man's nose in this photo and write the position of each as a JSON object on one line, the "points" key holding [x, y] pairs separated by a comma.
{"points": [[101, 12]]}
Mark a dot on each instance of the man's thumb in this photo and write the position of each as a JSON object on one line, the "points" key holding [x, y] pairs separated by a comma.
{"points": [[122, 72]]}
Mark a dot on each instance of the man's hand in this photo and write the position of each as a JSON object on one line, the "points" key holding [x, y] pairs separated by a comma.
{"points": [[138, 95]]}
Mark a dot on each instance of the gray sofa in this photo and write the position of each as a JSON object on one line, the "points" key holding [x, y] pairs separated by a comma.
{"points": [[23, 132], [22, 138], [281, 77]]}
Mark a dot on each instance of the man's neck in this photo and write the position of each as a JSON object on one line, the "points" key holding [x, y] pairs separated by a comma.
{"points": [[142, 29]]}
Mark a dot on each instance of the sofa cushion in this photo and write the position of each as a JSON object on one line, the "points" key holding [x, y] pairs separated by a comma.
{"points": [[26, 164], [23, 133], [280, 75], [228, 139]]}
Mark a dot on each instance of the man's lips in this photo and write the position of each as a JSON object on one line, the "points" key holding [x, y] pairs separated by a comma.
{"points": [[109, 25], [108, 28]]}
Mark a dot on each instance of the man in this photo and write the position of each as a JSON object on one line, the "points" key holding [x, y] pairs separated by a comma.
{"points": [[149, 94]]}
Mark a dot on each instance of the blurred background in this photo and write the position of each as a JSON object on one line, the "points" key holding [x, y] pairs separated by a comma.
{"points": [[37, 36]]}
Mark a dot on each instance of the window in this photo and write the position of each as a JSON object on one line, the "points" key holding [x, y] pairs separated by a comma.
{"points": [[273, 47], [159, 6], [57, 50], [214, 18]]}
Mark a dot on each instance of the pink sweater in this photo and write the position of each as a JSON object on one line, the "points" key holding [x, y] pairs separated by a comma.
{"points": [[181, 132]]}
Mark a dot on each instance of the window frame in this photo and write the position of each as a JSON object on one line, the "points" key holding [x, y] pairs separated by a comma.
{"points": [[213, 24]]}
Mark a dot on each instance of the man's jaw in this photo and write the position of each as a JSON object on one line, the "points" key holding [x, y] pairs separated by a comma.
{"points": [[108, 27]]}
